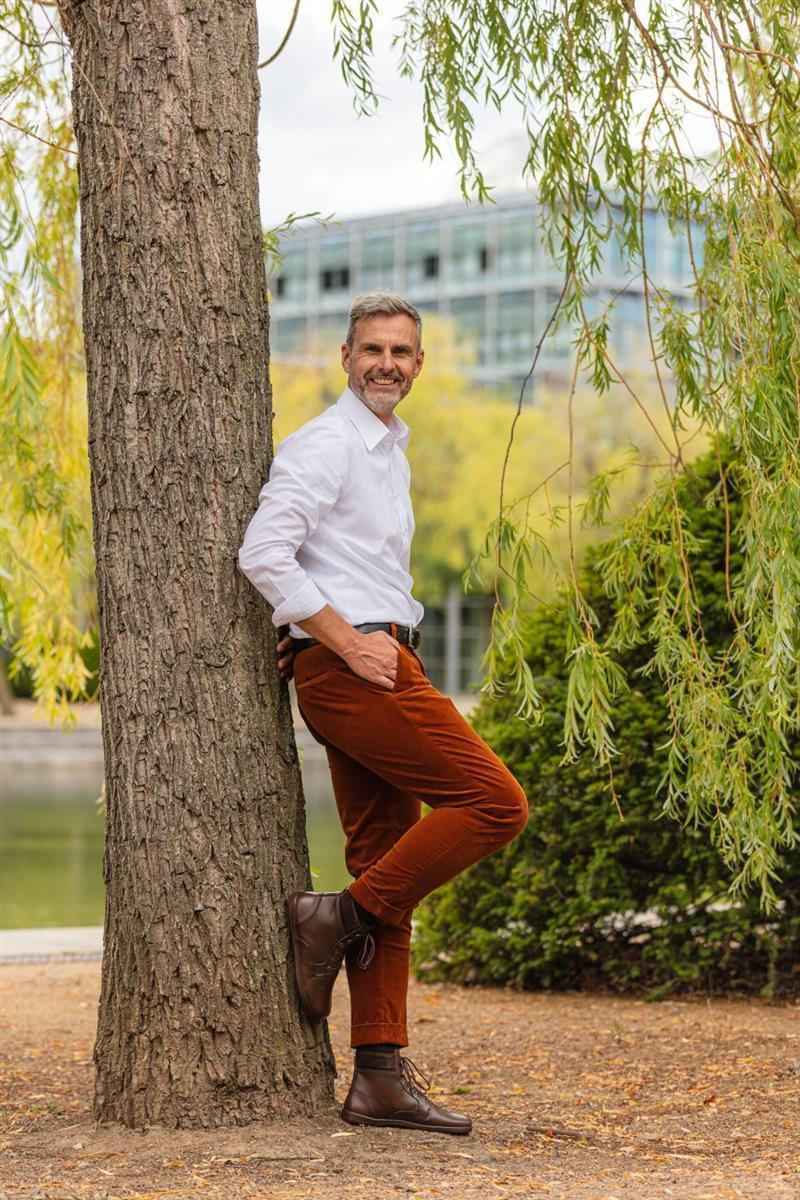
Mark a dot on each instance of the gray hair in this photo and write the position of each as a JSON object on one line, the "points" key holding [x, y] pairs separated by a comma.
{"points": [[383, 304]]}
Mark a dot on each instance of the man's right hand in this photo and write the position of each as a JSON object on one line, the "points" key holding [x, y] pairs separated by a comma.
{"points": [[374, 656]]}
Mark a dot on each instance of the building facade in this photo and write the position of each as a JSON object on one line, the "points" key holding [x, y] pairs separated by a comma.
{"points": [[484, 267]]}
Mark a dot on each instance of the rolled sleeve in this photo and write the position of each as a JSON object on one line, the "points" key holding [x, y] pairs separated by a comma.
{"points": [[305, 603], [307, 476]]}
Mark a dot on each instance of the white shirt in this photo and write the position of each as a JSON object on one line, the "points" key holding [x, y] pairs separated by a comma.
{"points": [[334, 522]]}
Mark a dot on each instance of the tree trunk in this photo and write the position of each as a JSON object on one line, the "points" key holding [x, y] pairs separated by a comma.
{"points": [[6, 693], [199, 1017]]}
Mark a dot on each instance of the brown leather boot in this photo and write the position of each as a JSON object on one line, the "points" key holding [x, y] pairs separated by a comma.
{"points": [[322, 925], [384, 1091]]}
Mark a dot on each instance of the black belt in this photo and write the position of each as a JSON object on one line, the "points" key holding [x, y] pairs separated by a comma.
{"points": [[402, 633]]}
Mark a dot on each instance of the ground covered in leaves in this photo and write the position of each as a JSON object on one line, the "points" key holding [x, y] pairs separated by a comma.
{"points": [[571, 1096]]}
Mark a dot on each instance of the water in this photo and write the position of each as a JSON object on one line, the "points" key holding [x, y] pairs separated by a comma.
{"points": [[51, 846]]}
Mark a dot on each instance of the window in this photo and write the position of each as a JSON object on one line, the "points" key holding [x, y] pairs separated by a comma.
{"points": [[653, 223], [515, 327], [474, 637], [517, 239], [334, 279], [681, 266], [329, 335], [377, 261], [334, 263], [422, 252], [557, 346], [682, 271], [698, 238], [287, 335], [426, 306], [469, 317], [469, 256], [614, 264], [292, 284], [629, 325]]}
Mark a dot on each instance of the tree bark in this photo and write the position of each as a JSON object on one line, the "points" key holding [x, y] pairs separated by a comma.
{"points": [[6, 692], [199, 1020]]}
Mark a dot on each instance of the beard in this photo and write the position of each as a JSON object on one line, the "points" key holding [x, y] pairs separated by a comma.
{"points": [[381, 405]]}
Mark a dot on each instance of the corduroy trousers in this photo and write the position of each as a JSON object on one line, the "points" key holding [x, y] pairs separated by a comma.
{"points": [[388, 752]]}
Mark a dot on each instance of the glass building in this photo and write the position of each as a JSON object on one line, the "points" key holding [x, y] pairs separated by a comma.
{"points": [[484, 267]]}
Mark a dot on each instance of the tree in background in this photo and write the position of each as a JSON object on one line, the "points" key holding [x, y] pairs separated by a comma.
{"points": [[47, 595], [605, 94]]}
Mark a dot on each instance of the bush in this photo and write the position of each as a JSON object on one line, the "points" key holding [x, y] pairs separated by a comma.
{"points": [[583, 899]]}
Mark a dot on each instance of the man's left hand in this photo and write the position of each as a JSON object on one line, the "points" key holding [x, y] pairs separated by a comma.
{"points": [[285, 657]]}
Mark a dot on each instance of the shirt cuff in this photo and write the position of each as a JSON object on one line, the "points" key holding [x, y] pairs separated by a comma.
{"points": [[305, 603]]}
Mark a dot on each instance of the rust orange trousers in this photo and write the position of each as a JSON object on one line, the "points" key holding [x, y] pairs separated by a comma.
{"points": [[388, 752]]}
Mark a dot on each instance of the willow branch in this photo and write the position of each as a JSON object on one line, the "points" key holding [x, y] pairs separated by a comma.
{"points": [[286, 37], [30, 133]]}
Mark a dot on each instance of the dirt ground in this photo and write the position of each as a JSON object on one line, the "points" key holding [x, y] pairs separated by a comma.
{"points": [[571, 1096]]}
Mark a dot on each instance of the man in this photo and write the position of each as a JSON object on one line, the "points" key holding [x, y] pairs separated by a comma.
{"points": [[329, 548]]}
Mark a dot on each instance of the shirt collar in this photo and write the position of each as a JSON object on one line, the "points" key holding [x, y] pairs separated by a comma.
{"points": [[372, 428]]}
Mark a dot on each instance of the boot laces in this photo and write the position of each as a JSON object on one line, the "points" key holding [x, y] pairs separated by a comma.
{"points": [[334, 959], [412, 1078], [367, 952]]}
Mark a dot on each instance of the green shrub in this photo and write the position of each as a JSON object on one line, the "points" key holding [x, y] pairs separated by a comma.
{"points": [[583, 899]]}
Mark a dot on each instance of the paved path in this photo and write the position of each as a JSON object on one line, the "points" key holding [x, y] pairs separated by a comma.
{"points": [[48, 945], [29, 742]]}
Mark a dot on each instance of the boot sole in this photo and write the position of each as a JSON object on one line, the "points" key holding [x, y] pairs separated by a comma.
{"points": [[296, 957], [357, 1119]]}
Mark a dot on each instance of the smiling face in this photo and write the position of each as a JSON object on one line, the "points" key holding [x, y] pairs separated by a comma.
{"points": [[383, 361]]}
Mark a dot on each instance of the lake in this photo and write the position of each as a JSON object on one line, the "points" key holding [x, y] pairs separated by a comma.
{"points": [[51, 845]]}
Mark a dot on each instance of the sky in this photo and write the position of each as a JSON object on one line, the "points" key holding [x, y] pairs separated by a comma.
{"points": [[317, 155]]}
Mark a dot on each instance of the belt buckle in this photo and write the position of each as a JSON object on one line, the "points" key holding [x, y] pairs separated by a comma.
{"points": [[413, 638]]}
